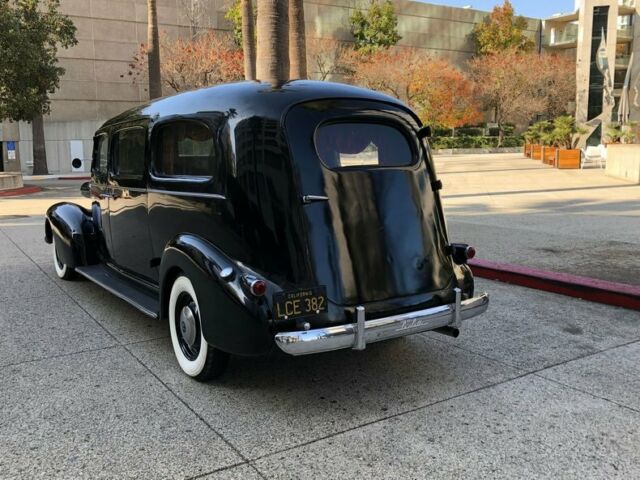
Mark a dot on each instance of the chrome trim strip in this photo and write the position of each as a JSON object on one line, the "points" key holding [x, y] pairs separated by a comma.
{"points": [[189, 194], [215, 196], [345, 336]]}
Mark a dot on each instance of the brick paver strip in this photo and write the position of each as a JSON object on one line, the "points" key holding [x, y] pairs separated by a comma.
{"points": [[592, 289], [20, 191]]}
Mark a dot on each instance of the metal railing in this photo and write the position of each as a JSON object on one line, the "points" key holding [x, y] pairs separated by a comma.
{"points": [[625, 32], [622, 60]]}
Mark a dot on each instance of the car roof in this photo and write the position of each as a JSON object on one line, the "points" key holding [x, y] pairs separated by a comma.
{"points": [[249, 98]]}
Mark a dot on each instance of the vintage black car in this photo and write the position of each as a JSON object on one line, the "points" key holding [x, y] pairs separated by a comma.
{"points": [[306, 216]]}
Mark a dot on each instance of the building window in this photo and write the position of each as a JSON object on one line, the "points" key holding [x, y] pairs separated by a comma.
{"points": [[596, 79]]}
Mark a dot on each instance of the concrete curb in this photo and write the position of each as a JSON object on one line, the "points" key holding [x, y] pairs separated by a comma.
{"points": [[592, 289]]}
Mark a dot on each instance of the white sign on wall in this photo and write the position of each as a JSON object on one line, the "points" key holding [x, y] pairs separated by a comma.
{"points": [[11, 150]]}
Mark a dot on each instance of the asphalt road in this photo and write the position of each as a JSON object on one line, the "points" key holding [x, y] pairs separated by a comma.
{"points": [[541, 386]]}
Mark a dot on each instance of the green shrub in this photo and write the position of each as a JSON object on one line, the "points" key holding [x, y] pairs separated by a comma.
{"points": [[476, 141]]}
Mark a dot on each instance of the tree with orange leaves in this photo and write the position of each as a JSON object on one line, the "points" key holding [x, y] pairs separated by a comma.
{"points": [[441, 94], [501, 31], [187, 63], [517, 86]]}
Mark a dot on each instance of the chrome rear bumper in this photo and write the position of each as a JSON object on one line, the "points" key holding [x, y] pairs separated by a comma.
{"points": [[357, 335]]}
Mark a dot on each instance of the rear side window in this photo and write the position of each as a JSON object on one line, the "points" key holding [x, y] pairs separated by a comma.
{"points": [[185, 149], [129, 152], [362, 144]]}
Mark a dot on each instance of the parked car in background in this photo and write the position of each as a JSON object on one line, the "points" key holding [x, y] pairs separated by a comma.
{"points": [[305, 217]]}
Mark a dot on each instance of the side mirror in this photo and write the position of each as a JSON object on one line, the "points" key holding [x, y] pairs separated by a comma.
{"points": [[424, 132], [85, 189]]}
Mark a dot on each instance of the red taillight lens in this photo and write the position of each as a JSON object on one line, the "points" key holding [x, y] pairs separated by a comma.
{"points": [[470, 252], [258, 288]]}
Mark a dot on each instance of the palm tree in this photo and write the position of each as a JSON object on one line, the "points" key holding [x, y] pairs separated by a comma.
{"points": [[297, 47], [272, 59], [153, 51], [248, 40]]}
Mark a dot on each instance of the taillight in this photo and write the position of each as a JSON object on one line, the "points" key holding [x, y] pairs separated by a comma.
{"points": [[470, 252], [258, 287], [461, 252]]}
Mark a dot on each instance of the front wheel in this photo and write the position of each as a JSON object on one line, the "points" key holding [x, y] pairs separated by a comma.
{"points": [[196, 358], [64, 271]]}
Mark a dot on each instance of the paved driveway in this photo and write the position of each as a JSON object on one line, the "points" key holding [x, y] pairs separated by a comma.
{"points": [[518, 210], [540, 386]]}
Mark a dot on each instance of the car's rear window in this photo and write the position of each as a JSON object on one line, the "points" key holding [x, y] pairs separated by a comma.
{"points": [[362, 144]]}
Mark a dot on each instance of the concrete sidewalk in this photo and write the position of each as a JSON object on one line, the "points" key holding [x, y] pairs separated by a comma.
{"points": [[541, 386], [517, 210]]}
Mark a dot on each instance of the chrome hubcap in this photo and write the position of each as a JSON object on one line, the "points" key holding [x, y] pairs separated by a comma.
{"points": [[187, 325]]}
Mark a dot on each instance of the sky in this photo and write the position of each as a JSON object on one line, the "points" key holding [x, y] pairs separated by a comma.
{"points": [[528, 8]]}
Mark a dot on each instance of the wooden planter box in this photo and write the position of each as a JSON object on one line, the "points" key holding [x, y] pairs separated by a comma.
{"points": [[568, 158], [527, 150], [549, 155], [536, 152]]}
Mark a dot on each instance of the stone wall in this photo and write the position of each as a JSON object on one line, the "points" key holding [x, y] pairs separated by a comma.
{"points": [[623, 161]]}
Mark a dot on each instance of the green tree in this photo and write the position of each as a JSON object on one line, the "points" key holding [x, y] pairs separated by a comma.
{"points": [[31, 31], [375, 28], [501, 31], [234, 16]]}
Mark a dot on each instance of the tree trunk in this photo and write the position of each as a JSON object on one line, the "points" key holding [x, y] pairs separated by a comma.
{"points": [[272, 59], [153, 52], [297, 40], [39, 151], [248, 40]]}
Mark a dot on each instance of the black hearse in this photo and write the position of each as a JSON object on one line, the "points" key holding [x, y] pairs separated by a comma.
{"points": [[306, 216]]}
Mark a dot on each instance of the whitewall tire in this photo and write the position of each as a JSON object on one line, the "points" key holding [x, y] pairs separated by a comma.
{"points": [[195, 357], [63, 271]]}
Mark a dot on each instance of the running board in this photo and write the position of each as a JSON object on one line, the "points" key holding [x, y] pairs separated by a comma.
{"points": [[137, 295]]}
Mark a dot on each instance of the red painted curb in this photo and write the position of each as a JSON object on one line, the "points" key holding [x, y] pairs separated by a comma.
{"points": [[592, 289], [20, 191]]}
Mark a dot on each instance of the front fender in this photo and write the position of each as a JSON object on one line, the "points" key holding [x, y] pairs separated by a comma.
{"points": [[75, 234], [232, 320]]}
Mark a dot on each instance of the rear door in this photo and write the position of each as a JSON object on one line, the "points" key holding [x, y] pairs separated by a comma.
{"points": [[379, 235]]}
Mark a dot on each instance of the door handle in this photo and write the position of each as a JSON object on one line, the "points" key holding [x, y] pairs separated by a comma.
{"points": [[314, 198]]}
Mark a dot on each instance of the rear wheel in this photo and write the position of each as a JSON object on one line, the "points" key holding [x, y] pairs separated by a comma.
{"points": [[196, 358], [63, 271]]}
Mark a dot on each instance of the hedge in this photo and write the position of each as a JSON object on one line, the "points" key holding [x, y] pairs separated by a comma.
{"points": [[477, 131], [475, 142]]}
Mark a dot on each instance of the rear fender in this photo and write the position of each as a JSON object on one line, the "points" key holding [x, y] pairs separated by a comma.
{"points": [[75, 234], [232, 320]]}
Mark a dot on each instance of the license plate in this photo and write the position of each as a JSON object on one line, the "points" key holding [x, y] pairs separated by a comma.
{"points": [[300, 303]]}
